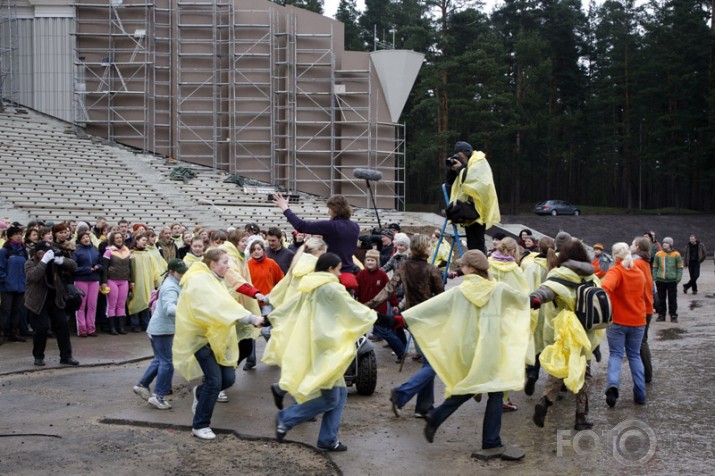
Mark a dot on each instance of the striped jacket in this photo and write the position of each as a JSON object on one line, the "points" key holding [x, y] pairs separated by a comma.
{"points": [[668, 266]]}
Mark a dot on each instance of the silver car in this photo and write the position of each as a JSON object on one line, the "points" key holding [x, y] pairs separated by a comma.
{"points": [[556, 207]]}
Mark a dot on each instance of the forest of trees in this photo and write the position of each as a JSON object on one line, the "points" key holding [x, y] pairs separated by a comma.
{"points": [[609, 105]]}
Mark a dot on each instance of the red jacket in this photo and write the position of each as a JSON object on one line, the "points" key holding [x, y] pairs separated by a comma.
{"points": [[370, 283], [627, 290]]}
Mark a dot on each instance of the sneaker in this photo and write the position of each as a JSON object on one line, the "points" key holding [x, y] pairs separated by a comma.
{"points": [[196, 401], [337, 447], [508, 406], [142, 391], [222, 397], [281, 431], [159, 402], [203, 433], [69, 361], [393, 399]]}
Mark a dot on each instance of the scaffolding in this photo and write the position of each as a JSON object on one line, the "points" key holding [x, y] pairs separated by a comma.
{"points": [[163, 90], [113, 68], [8, 51]]}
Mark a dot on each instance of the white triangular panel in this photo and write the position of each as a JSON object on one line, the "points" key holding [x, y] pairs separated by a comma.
{"points": [[397, 71]]}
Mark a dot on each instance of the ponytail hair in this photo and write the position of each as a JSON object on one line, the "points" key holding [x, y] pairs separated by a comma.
{"points": [[622, 252]]}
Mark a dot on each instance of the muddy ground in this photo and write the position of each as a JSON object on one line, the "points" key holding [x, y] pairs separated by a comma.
{"points": [[86, 420]]}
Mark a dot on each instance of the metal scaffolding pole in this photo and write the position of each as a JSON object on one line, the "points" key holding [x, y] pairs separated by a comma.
{"points": [[8, 52]]}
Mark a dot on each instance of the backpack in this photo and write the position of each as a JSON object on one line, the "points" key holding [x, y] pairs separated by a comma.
{"points": [[593, 307]]}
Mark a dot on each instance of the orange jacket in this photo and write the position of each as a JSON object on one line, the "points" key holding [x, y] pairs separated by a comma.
{"points": [[627, 290], [264, 274]]}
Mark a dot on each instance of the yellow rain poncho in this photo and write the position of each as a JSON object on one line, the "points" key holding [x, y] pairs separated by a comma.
{"points": [[288, 286], [567, 344], [478, 184], [527, 260], [236, 276], [160, 261], [205, 314], [146, 277], [190, 259], [474, 336], [441, 254], [313, 336], [535, 274]]}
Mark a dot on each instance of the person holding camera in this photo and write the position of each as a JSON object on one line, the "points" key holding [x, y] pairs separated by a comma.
{"points": [[470, 179], [44, 299]]}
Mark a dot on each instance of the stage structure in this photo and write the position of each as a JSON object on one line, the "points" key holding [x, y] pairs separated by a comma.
{"points": [[246, 86]]}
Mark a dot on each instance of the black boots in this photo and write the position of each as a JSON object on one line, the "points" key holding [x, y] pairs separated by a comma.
{"points": [[540, 411], [582, 423], [120, 324], [112, 326]]}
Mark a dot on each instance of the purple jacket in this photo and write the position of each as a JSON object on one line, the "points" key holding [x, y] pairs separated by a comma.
{"points": [[340, 234]]}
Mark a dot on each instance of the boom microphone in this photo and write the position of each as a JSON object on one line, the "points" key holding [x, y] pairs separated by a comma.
{"points": [[368, 174]]}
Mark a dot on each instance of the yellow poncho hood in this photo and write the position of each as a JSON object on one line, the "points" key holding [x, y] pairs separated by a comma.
{"points": [[313, 336], [205, 314], [478, 184], [569, 345], [236, 276], [288, 286], [190, 259], [475, 336]]}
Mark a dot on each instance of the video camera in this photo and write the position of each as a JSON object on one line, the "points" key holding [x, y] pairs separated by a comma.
{"points": [[373, 240], [451, 161]]}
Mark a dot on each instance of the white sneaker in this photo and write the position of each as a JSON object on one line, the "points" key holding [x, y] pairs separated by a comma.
{"points": [[222, 397], [203, 433], [196, 401], [159, 402], [142, 391]]}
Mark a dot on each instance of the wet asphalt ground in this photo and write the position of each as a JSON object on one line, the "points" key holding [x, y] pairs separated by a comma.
{"points": [[87, 420]]}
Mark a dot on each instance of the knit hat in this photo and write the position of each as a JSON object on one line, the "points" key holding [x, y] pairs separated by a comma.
{"points": [[463, 147], [3, 225], [177, 265], [561, 239], [668, 240], [373, 254], [498, 236], [475, 259], [401, 238], [598, 246], [387, 233]]}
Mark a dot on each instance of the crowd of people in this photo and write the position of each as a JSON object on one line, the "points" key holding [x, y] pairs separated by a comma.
{"points": [[203, 296]]}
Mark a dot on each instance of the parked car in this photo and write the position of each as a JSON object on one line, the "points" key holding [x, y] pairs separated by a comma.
{"points": [[556, 207]]}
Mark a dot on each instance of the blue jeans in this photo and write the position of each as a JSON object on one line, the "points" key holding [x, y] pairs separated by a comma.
{"points": [[161, 367], [421, 384], [397, 346], [216, 378], [626, 338], [140, 320], [330, 403], [491, 425]]}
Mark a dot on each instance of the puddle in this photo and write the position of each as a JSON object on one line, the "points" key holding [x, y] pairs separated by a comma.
{"points": [[695, 305], [670, 334]]}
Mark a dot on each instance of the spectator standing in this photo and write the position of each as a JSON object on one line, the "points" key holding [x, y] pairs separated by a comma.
{"points": [[116, 281], [388, 247], [146, 277], [667, 273], [153, 250], [196, 251], [402, 248], [44, 299], [185, 246], [276, 251], [87, 277], [695, 254], [12, 284], [601, 261], [298, 240], [166, 244]]}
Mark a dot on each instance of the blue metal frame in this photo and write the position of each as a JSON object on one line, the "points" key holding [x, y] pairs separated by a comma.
{"points": [[456, 238]]}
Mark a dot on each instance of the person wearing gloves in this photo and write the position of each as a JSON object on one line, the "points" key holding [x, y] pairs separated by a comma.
{"points": [[161, 334], [475, 337], [469, 177], [44, 300], [89, 271], [624, 283], [667, 273], [209, 323], [568, 346], [313, 341]]}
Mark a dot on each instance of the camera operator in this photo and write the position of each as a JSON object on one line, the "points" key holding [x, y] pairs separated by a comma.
{"points": [[476, 184]]}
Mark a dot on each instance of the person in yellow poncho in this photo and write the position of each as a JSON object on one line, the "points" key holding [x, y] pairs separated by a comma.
{"points": [[206, 341], [504, 267], [146, 277], [535, 273], [569, 348], [470, 178], [155, 252], [475, 336], [303, 263], [196, 252], [313, 341]]}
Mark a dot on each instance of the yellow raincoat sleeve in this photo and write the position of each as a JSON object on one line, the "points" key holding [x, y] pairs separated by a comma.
{"points": [[205, 314], [478, 184], [535, 274], [474, 336], [314, 334], [146, 279]]}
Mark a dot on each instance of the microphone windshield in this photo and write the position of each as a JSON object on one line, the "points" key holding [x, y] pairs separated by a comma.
{"points": [[368, 174]]}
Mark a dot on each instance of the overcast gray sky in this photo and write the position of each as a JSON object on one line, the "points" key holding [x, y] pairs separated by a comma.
{"points": [[331, 6]]}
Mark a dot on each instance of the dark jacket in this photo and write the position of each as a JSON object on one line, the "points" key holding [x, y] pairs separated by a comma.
{"points": [[86, 258], [386, 253], [340, 234], [419, 279], [691, 255], [284, 257], [40, 278], [12, 268]]}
